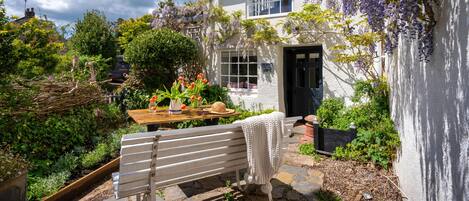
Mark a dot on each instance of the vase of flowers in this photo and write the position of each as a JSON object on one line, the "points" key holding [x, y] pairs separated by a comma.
{"points": [[180, 91], [152, 106]]}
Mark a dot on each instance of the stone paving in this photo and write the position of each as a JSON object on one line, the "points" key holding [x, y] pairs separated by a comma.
{"points": [[295, 181]]}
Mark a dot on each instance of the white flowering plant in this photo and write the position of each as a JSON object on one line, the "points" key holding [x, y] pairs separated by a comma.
{"points": [[11, 165]]}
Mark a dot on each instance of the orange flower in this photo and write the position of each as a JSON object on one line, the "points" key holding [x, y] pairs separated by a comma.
{"points": [[192, 85], [183, 106], [181, 78], [205, 81], [200, 76], [153, 99], [199, 98], [192, 97]]}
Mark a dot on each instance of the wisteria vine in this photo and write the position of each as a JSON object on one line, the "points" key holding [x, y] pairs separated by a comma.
{"points": [[414, 19]]}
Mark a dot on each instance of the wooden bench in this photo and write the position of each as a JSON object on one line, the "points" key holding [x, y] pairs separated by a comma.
{"points": [[154, 160]]}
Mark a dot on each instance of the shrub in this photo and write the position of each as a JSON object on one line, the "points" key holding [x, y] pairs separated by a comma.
{"points": [[156, 55], [11, 165], [307, 149], [36, 46], [215, 93], [82, 72], [46, 139], [377, 140], [97, 155], [128, 29], [329, 111], [243, 115], [94, 36], [40, 187]]}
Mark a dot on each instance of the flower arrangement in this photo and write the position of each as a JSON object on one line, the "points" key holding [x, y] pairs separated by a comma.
{"points": [[180, 91]]}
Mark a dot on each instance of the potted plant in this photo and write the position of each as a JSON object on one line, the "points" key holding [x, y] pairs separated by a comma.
{"points": [[179, 92], [13, 174]]}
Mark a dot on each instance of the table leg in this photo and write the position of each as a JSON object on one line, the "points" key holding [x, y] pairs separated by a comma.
{"points": [[211, 122], [153, 127]]}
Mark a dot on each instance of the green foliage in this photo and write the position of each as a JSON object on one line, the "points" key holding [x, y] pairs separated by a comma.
{"points": [[315, 24], [377, 141], [215, 93], [40, 186], [3, 17], [11, 165], [156, 55], [307, 149], [135, 98], [94, 35], [228, 196], [82, 72], [326, 195], [329, 111], [43, 140], [36, 48], [129, 29], [92, 158]]}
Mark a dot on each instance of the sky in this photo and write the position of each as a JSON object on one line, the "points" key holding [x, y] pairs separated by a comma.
{"points": [[64, 12]]}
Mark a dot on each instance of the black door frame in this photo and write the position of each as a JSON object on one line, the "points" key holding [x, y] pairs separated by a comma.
{"points": [[316, 49]]}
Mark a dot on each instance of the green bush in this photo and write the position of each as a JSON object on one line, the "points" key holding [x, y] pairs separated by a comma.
{"points": [[43, 140], [40, 186], [329, 111], [377, 140], [94, 36], [216, 93], [156, 54], [307, 149], [94, 157], [243, 114]]}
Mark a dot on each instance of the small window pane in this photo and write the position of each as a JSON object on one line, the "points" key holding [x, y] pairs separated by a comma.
{"points": [[275, 7], [225, 57], [234, 69], [252, 69], [243, 58], [234, 82], [300, 56], [252, 83], [234, 57], [313, 55], [243, 82], [224, 69], [286, 6], [243, 69]]}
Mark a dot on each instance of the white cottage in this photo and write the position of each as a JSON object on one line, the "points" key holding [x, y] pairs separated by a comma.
{"points": [[291, 77]]}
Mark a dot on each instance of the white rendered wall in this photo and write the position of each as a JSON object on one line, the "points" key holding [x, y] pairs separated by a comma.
{"points": [[338, 79], [430, 107]]}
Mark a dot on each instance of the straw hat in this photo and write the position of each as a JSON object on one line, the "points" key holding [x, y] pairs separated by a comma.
{"points": [[219, 108]]}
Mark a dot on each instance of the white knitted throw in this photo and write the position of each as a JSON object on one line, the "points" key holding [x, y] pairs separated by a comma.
{"points": [[263, 135]]}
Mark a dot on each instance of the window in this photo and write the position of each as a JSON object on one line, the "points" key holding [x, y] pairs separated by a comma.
{"points": [[239, 71], [268, 7]]}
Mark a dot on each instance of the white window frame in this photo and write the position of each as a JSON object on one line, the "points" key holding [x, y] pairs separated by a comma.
{"points": [[261, 3], [221, 75]]}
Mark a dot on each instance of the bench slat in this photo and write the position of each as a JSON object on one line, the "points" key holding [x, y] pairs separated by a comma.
{"points": [[145, 164], [143, 174], [179, 150], [131, 149], [162, 178], [177, 181]]}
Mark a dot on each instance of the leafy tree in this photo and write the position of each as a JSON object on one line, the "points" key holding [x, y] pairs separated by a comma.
{"points": [[129, 29], [156, 55], [3, 17], [94, 35], [37, 46]]}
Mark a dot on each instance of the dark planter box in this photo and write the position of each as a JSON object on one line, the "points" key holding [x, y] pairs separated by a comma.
{"points": [[326, 140], [14, 189]]}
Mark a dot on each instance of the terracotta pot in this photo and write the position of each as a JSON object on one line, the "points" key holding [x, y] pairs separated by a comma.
{"points": [[309, 129], [14, 189]]}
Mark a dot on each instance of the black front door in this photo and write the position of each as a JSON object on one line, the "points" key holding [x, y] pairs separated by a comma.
{"points": [[303, 80]]}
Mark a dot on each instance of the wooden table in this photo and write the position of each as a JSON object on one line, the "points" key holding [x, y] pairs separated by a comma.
{"points": [[154, 119]]}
